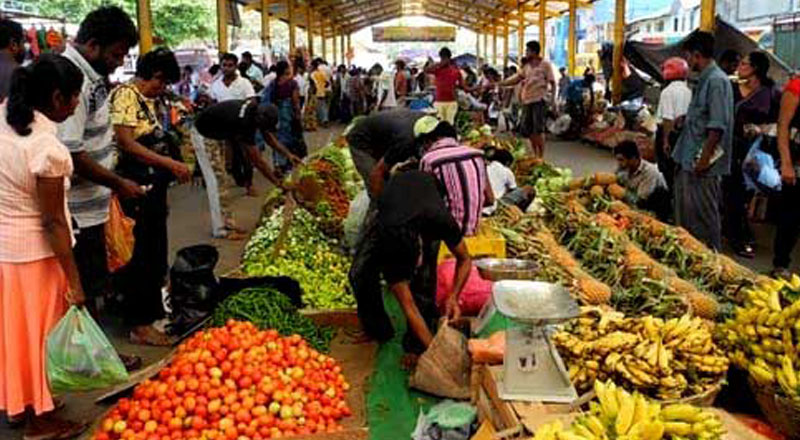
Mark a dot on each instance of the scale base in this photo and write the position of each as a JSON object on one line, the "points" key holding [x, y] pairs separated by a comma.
{"points": [[533, 370]]}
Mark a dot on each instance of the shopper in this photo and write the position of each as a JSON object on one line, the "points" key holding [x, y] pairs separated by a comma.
{"points": [[460, 170], [252, 70], [703, 151], [377, 143], [356, 93], [447, 79], [104, 38], [729, 61], [12, 52], [410, 230], [237, 122], [231, 85], [38, 273], [645, 185], [538, 88], [756, 106], [402, 83], [285, 94], [149, 157], [504, 183], [788, 228], [322, 89], [672, 107]]}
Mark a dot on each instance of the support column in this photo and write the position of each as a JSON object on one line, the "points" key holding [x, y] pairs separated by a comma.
{"points": [[494, 43], [520, 32], [222, 27], [309, 33], [335, 50], [342, 49], [572, 44], [145, 21], [266, 38], [349, 50], [708, 15], [486, 49], [619, 46], [543, 26], [292, 26], [478, 49], [324, 40], [505, 41]]}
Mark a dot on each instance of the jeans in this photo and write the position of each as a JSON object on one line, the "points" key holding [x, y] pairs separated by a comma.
{"points": [[322, 109], [788, 225]]}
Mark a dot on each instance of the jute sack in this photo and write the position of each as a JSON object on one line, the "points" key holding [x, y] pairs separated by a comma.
{"points": [[443, 370]]}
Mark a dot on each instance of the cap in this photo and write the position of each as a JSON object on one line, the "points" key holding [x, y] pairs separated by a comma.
{"points": [[425, 125], [675, 68]]}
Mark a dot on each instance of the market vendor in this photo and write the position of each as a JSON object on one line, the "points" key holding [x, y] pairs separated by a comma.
{"points": [[645, 185], [380, 141], [410, 230], [238, 120]]}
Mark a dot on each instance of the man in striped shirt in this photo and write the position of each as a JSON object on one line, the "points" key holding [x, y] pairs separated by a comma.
{"points": [[460, 170]]}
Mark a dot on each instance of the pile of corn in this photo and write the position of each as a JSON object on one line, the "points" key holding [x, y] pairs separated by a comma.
{"points": [[617, 414], [662, 359]]}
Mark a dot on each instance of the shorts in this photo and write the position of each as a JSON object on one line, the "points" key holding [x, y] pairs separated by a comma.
{"points": [[533, 119], [447, 111]]}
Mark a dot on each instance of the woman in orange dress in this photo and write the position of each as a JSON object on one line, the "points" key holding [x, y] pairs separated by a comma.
{"points": [[38, 276]]}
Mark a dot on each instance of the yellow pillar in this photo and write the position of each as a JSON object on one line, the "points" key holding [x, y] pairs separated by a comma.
{"points": [[619, 46], [543, 26], [505, 41], [707, 15], [520, 32], [335, 50], [486, 48], [266, 38], [309, 34], [572, 45], [292, 29], [494, 43], [144, 17], [349, 50], [478, 48], [324, 40], [342, 49], [222, 27]]}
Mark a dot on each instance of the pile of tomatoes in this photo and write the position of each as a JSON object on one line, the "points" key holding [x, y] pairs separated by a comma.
{"points": [[234, 383]]}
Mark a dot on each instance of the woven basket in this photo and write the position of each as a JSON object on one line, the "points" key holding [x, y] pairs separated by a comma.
{"points": [[780, 412], [704, 399]]}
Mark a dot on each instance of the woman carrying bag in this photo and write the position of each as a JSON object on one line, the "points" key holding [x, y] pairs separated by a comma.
{"points": [[284, 93], [150, 157]]}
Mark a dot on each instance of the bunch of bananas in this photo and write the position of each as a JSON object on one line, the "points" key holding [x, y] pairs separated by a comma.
{"points": [[663, 359], [764, 335], [620, 415]]}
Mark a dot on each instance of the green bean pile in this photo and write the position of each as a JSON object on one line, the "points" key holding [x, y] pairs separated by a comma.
{"points": [[269, 309]]}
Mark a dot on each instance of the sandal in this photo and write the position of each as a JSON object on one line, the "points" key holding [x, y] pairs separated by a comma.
{"points": [[131, 362], [232, 236], [746, 251], [147, 335]]}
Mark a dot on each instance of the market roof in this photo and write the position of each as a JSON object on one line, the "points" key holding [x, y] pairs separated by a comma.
{"points": [[347, 16]]}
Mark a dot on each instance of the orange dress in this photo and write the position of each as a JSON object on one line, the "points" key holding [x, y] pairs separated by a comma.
{"points": [[32, 282]]}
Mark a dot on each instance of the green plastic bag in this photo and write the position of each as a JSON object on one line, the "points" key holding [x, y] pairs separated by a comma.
{"points": [[79, 356]]}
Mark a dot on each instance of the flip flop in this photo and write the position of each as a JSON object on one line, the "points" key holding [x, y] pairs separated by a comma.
{"points": [[153, 337]]}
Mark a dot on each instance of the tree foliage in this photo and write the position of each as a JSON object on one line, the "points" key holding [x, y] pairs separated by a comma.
{"points": [[174, 21]]}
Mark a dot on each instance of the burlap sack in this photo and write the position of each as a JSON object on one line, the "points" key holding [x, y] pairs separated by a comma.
{"points": [[443, 370]]}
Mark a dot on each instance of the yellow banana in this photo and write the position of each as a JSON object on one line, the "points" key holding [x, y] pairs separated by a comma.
{"points": [[680, 412], [677, 428], [788, 371], [761, 375], [652, 431], [627, 406]]}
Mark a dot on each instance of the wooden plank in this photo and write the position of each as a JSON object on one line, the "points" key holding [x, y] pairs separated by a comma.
{"points": [[505, 413]]}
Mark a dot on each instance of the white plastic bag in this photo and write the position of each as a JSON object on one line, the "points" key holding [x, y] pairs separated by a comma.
{"points": [[355, 218]]}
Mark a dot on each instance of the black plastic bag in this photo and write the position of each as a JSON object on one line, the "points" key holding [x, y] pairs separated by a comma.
{"points": [[194, 289]]}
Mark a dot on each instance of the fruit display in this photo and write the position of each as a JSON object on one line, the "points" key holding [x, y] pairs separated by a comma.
{"points": [[234, 382], [664, 359], [764, 335], [618, 414], [305, 252], [270, 309]]}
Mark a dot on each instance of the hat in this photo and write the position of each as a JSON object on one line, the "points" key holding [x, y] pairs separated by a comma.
{"points": [[425, 125]]}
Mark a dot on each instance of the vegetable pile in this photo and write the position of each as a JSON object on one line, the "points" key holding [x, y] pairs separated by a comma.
{"points": [[270, 309], [307, 255], [234, 382]]}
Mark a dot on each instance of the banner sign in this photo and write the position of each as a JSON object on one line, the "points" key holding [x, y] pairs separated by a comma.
{"points": [[389, 34]]}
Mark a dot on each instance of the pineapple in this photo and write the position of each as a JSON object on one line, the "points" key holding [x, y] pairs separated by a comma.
{"points": [[591, 291], [702, 304], [604, 179], [576, 183], [597, 191], [617, 192]]}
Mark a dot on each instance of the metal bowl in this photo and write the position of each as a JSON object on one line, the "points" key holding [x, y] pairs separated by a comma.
{"points": [[498, 269]]}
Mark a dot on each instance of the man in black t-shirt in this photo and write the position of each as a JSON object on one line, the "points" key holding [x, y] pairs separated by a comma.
{"points": [[412, 220], [380, 141], [237, 121]]}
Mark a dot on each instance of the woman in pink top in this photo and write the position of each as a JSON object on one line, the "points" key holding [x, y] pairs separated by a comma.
{"points": [[38, 276]]}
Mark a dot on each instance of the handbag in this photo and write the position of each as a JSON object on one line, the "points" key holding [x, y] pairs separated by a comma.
{"points": [[164, 143]]}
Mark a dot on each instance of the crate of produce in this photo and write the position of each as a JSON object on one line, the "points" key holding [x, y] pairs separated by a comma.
{"points": [[488, 243]]}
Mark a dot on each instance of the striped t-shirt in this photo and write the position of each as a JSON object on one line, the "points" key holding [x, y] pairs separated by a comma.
{"points": [[462, 172], [89, 130]]}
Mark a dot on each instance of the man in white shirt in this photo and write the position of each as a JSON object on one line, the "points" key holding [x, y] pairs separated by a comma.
{"points": [[504, 184], [672, 107], [230, 85]]}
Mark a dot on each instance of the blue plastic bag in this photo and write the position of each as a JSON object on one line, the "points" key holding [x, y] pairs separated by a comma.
{"points": [[80, 357], [760, 170]]}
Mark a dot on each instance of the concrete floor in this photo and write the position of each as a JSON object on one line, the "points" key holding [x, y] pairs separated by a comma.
{"points": [[189, 224]]}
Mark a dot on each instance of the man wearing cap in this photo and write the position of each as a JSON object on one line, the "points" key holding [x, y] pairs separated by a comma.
{"points": [[237, 121]]}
